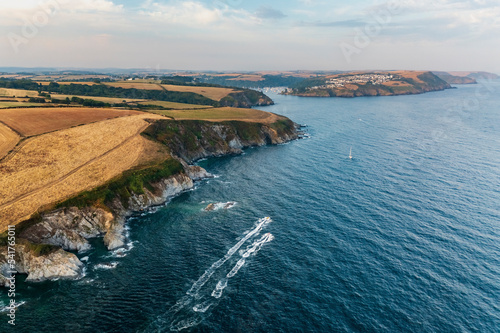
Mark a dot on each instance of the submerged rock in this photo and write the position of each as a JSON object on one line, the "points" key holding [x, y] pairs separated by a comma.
{"points": [[220, 205]]}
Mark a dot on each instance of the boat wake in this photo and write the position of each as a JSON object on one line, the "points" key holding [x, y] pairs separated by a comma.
{"points": [[203, 296]]}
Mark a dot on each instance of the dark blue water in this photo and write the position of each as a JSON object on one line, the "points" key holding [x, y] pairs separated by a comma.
{"points": [[404, 237]]}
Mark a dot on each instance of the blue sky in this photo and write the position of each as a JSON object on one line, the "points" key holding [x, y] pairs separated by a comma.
{"points": [[252, 35]]}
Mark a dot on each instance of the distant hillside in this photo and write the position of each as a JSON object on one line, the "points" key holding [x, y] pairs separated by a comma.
{"points": [[476, 75], [369, 84], [453, 79], [251, 81]]}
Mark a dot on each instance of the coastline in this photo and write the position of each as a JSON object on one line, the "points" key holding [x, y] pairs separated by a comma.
{"points": [[46, 242]]}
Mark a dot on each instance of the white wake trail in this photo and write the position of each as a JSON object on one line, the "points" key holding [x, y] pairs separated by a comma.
{"points": [[191, 309], [195, 288]]}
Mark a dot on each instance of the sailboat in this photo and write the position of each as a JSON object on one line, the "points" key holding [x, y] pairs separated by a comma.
{"points": [[350, 153]]}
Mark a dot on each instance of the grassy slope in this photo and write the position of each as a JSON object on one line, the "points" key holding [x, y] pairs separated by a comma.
{"points": [[131, 181]]}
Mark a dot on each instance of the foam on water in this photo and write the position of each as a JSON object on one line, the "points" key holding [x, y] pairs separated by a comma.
{"points": [[209, 272], [221, 205], [5, 308], [109, 265], [191, 309], [236, 268]]}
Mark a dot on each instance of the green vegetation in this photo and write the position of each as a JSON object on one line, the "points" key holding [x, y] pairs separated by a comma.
{"points": [[284, 125], [301, 86], [39, 250], [187, 138], [172, 105], [402, 83], [133, 181], [245, 99], [4, 105], [101, 90], [36, 250], [36, 100], [267, 81], [21, 227]]}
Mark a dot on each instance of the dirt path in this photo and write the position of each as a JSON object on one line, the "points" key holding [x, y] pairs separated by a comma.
{"points": [[66, 176], [8, 140]]}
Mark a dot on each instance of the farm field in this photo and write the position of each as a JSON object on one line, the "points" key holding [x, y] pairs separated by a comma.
{"points": [[46, 83], [211, 92], [69, 150], [4, 92], [214, 93], [57, 165], [111, 100], [8, 140], [4, 105], [220, 114], [35, 121], [173, 105], [134, 85]]}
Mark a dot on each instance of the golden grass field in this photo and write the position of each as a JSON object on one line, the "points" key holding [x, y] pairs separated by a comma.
{"points": [[57, 165], [410, 74], [4, 105], [173, 105], [134, 85], [8, 140], [17, 93], [58, 159], [211, 92], [250, 77], [221, 114], [214, 93], [34, 121], [111, 100]]}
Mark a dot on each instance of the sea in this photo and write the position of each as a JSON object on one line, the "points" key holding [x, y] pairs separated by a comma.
{"points": [[402, 237]]}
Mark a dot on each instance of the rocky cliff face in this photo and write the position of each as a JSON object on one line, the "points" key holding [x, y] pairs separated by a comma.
{"points": [[163, 191], [246, 99], [40, 267], [69, 228], [193, 140]]}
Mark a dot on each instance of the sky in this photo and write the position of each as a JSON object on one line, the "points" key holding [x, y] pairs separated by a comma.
{"points": [[244, 35]]}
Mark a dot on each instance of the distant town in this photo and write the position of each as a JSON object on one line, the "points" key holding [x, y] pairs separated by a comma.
{"points": [[342, 81]]}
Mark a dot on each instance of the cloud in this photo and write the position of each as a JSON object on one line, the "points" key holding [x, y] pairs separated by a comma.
{"points": [[267, 12], [25, 6], [339, 24]]}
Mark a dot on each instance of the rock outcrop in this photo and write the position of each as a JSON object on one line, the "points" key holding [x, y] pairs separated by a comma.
{"points": [[57, 264], [246, 99], [69, 228], [194, 140]]}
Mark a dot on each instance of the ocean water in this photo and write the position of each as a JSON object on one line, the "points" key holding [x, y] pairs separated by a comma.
{"points": [[404, 237]]}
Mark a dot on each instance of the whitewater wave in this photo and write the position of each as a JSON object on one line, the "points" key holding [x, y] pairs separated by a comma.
{"points": [[5, 308], [209, 272], [213, 207], [106, 265], [198, 302]]}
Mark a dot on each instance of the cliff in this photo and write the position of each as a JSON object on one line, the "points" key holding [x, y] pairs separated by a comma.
{"points": [[43, 241], [246, 99], [193, 140]]}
